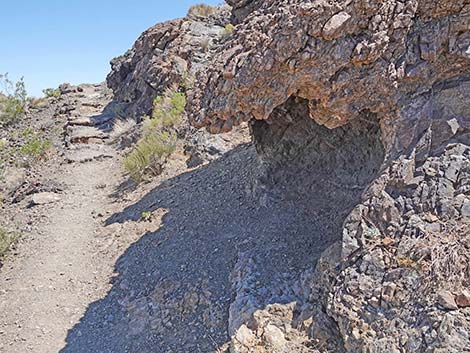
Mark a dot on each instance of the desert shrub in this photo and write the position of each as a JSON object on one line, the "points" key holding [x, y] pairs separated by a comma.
{"points": [[51, 92], [146, 216], [202, 10], [168, 109], [13, 101], [187, 81], [36, 146], [228, 30], [7, 239], [158, 140], [121, 127], [25, 148], [148, 155]]}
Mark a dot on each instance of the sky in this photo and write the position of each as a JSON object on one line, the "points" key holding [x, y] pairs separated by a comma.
{"points": [[50, 42]]}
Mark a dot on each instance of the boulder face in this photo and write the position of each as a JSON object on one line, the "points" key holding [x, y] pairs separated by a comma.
{"points": [[359, 112], [242, 8], [315, 77]]}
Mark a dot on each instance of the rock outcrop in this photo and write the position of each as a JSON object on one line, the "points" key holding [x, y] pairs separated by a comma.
{"points": [[360, 115], [166, 55], [401, 66]]}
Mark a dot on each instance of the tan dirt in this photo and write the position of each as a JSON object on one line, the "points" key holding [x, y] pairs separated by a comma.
{"points": [[45, 290]]}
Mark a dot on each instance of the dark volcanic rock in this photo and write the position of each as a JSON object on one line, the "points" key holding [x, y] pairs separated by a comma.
{"points": [[406, 65], [162, 56]]}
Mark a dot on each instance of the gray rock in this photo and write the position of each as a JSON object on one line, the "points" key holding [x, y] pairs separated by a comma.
{"points": [[465, 210], [447, 300], [44, 198]]}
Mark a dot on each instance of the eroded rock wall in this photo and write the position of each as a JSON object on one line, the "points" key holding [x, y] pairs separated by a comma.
{"points": [[403, 259], [164, 55]]}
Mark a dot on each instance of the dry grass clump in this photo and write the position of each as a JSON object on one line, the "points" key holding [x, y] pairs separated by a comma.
{"points": [[120, 127], [444, 258], [449, 263], [202, 10], [52, 92], [228, 30]]}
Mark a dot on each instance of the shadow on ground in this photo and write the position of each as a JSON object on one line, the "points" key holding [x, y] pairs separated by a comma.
{"points": [[173, 287]]}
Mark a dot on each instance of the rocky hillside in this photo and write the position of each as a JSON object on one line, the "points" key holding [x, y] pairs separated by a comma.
{"points": [[360, 118], [317, 199]]}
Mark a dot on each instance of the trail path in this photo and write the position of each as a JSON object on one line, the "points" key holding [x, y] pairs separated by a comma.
{"points": [[46, 288]]}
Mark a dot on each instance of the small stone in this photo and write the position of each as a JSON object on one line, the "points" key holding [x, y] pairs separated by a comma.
{"points": [[387, 241], [463, 299], [334, 25], [447, 300], [274, 337], [245, 336], [44, 198], [356, 334], [454, 125], [465, 210], [430, 171]]}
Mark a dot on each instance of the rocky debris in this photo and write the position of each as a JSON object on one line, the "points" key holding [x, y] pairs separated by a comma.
{"points": [[12, 179], [463, 299], [44, 198], [242, 8]]}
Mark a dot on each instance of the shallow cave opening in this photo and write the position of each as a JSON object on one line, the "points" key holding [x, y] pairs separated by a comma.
{"points": [[323, 171]]}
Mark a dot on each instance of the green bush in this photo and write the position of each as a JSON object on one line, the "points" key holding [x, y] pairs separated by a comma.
{"points": [[13, 101], [51, 92], [148, 155], [168, 109], [228, 30], [36, 146], [6, 241], [159, 136]]}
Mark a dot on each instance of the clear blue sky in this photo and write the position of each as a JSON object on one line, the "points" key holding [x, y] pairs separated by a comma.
{"points": [[54, 41]]}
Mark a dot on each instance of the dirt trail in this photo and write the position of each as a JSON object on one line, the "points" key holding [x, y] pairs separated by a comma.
{"points": [[46, 288], [46, 291]]}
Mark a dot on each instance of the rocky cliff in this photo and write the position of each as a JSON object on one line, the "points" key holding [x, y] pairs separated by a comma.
{"points": [[360, 116]]}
